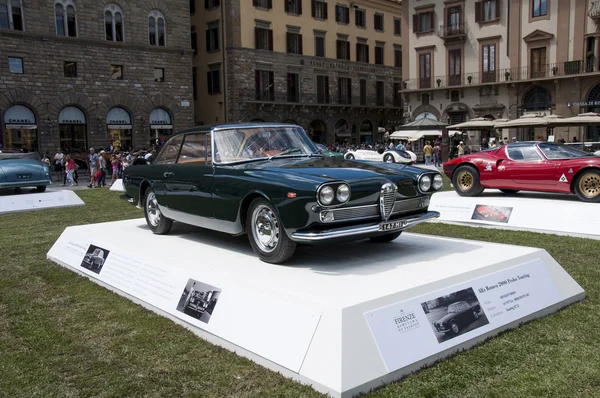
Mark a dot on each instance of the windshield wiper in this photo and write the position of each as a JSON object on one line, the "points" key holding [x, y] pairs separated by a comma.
{"points": [[286, 152]]}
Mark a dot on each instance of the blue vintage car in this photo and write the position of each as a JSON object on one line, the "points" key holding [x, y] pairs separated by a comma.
{"points": [[21, 170]]}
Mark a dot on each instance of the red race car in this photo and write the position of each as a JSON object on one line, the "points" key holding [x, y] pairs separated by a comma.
{"points": [[490, 212], [530, 166]]}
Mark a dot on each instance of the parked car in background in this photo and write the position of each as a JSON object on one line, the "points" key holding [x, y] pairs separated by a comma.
{"points": [[23, 170], [530, 166], [270, 182], [388, 156], [326, 152], [460, 315]]}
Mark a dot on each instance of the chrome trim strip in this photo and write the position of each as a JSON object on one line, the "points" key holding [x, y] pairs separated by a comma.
{"points": [[360, 230]]}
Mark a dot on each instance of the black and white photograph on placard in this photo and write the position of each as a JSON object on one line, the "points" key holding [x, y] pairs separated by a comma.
{"points": [[198, 300], [455, 314], [499, 214], [94, 258]]}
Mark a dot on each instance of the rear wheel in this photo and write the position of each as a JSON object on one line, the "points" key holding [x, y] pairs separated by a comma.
{"points": [[41, 188], [587, 186], [509, 191], [466, 181], [350, 156], [266, 234], [389, 158], [157, 222], [386, 238]]}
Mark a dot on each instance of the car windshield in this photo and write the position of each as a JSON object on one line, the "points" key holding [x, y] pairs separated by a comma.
{"points": [[243, 144], [453, 308], [321, 147], [555, 151]]}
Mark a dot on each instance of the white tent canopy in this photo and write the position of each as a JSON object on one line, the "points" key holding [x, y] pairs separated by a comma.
{"points": [[478, 123], [414, 135], [583, 119], [529, 121]]}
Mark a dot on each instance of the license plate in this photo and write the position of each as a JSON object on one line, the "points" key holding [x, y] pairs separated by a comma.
{"points": [[390, 226], [23, 176]]}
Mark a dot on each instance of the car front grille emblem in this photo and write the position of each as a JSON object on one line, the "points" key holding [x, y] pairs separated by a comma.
{"points": [[387, 200]]}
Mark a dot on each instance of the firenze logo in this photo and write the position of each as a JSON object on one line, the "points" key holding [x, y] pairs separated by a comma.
{"points": [[406, 321]]}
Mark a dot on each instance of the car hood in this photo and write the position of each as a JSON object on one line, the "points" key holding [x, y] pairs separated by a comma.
{"points": [[446, 318], [325, 169], [12, 168]]}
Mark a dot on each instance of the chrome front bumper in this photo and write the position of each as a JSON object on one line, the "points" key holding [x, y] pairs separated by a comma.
{"points": [[370, 229]]}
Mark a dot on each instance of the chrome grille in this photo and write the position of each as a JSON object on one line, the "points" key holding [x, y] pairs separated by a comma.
{"points": [[387, 199], [373, 211]]}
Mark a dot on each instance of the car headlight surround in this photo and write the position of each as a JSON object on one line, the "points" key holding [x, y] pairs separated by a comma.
{"points": [[425, 183], [342, 193], [326, 195], [438, 182]]}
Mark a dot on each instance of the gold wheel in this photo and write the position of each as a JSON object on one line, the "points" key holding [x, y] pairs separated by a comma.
{"points": [[465, 180], [589, 185]]}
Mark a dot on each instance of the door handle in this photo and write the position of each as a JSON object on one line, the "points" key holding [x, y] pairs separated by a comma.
{"points": [[168, 174]]}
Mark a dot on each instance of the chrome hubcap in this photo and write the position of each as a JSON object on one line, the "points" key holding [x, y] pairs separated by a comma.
{"points": [[152, 210], [590, 185], [266, 228], [454, 328]]}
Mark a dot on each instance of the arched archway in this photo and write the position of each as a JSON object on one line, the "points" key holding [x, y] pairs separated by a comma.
{"points": [[72, 129], [161, 125], [592, 133], [342, 131], [20, 128], [366, 132], [537, 99], [119, 129], [426, 115], [318, 131]]}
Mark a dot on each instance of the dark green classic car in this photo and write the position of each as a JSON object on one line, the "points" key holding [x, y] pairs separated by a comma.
{"points": [[271, 182]]}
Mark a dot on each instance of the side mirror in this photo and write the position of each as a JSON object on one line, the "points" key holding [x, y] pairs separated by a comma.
{"points": [[597, 154]]}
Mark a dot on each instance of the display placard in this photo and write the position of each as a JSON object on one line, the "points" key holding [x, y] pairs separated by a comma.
{"points": [[409, 331], [37, 201]]}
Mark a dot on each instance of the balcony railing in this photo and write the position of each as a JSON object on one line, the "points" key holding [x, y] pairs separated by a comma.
{"points": [[282, 97], [456, 31], [594, 11], [546, 71]]}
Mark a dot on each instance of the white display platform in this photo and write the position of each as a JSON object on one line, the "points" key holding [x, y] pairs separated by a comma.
{"points": [[36, 201], [117, 186], [342, 318], [529, 211]]}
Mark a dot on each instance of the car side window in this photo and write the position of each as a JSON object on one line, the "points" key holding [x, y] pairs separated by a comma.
{"points": [[169, 153], [194, 149], [523, 154]]}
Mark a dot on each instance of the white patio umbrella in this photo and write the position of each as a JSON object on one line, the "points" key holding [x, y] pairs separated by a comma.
{"points": [[478, 123], [583, 119], [527, 121]]}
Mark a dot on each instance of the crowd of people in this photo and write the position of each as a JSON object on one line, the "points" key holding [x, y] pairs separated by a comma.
{"points": [[100, 165]]}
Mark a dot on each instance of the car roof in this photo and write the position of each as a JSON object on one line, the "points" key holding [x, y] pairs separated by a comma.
{"points": [[213, 127]]}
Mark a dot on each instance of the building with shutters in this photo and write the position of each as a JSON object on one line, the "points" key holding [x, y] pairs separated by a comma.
{"points": [[502, 59], [77, 74], [333, 67]]}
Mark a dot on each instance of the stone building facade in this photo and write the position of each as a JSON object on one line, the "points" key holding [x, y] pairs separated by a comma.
{"points": [[503, 59], [77, 74], [294, 75]]}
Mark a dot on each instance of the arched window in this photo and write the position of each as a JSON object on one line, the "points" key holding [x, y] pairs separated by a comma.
{"points": [[11, 15], [536, 99], [157, 34], [113, 23], [66, 19]]}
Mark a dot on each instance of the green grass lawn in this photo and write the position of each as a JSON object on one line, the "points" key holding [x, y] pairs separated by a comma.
{"points": [[64, 336]]}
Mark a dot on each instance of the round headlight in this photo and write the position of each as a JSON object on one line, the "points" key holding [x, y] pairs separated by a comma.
{"points": [[343, 193], [326, 195], [438, 182], [425, 183]]}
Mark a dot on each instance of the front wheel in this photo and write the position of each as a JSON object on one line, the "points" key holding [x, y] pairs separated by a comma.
{"points": [[587, 186], [389, 158], [454, 327], [157, 222], [350, 156], [386, 238], [41, 188], [476, 314], [266, 234], [466, 181]]}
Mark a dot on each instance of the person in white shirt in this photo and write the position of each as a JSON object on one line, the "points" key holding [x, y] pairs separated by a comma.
{"points": [[58, 164]]}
